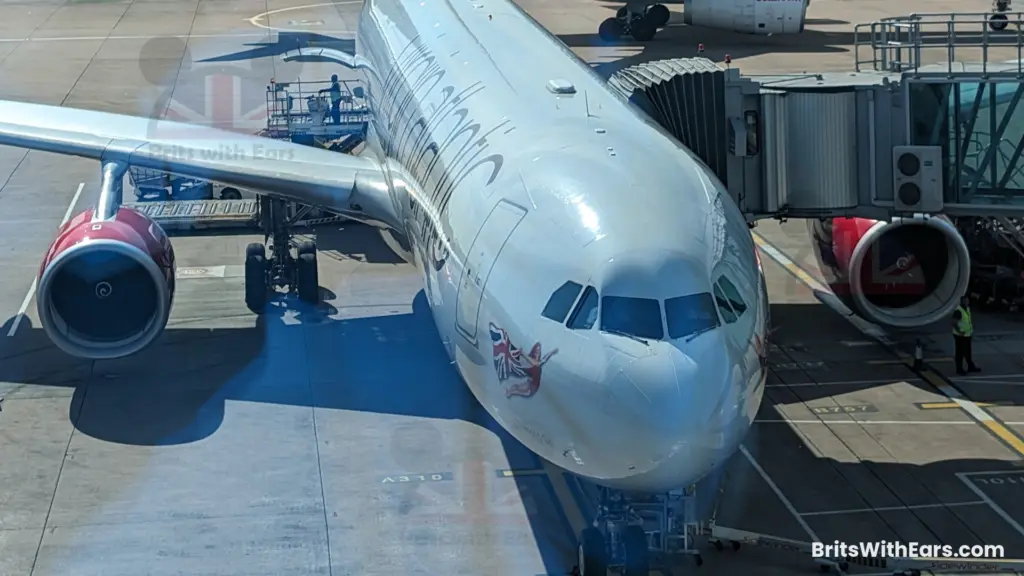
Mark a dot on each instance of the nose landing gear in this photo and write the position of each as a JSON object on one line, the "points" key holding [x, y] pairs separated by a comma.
{"points": [[642, 24]]}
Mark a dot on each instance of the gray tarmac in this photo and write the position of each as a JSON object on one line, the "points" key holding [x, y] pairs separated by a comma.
{"points": [[338, 440]]}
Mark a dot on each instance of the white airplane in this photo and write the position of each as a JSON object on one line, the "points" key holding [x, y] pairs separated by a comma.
{"points": [[592, 281], [641, 19]]}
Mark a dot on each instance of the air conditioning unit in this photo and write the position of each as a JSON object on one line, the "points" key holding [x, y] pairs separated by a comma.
{"points": [[917, 184]]}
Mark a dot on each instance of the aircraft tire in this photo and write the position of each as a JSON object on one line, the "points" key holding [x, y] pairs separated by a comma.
{"points": [[637, 558], [230, 193], [256, 277], [998, 22], [611, 30], [642, 30], [658, 15], [306, 247], [308, 278], [593, 556]]}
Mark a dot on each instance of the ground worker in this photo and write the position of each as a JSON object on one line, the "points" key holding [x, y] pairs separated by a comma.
{"points": [[963, 329], [335, 91]]}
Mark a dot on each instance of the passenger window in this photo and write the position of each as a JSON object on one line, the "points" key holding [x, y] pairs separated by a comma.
{"points": [[639, 317], [733, 295], [691, 314], [561, 301], [585, 315]]}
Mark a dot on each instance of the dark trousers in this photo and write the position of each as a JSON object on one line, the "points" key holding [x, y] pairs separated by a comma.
{"points": [[962, 352], [336, 112]]}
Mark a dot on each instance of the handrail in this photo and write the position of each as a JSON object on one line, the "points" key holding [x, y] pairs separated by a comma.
{"points": [[906, 43]]}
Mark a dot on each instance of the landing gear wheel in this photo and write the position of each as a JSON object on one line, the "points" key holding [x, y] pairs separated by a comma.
{"points": [[998, 22], [306, 247], [642, 30], [592, 558], [698, 560], [256, 277], [637, 558], [230, 194], [307, 278], [657, 15], [611, 30]]}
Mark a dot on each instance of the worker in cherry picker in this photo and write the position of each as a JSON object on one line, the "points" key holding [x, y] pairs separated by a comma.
{"points": [[335, 90], [963, 330]]}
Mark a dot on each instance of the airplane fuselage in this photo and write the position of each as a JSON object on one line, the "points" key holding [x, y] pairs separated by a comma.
{"points": [[568, 245]]}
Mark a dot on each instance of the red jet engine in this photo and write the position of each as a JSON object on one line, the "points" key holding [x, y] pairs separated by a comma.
{"points": [[105, 287], [907, 273]]}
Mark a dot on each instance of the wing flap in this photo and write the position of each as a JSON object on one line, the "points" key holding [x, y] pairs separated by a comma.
{"points": [[301, 173]]}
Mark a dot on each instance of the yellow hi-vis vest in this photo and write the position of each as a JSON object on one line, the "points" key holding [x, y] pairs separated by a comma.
{"points": [[964, 326]]}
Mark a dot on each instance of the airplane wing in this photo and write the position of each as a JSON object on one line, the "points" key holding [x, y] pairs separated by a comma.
{"points": [[308, 175]]}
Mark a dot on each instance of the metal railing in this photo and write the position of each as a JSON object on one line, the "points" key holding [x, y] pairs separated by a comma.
{"points": [[906, 43], [298, 107]]}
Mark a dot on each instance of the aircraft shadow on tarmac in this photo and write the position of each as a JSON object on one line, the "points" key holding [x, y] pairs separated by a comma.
{"points": [[355, 241], [285, 41], [174, 391]]}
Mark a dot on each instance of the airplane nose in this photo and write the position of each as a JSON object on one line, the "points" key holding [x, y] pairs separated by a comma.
{"points": [[680, 406], [683, 393]]}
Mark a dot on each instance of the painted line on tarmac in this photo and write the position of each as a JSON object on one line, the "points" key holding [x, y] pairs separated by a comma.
{"points": [[255, 20], [35, 280], [986, 419]]}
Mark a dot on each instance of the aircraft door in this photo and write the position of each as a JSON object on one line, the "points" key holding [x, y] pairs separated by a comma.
{"points": [[496, 229]]}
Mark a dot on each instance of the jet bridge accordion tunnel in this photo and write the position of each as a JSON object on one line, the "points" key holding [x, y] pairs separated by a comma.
{"points": [[800, 147]]}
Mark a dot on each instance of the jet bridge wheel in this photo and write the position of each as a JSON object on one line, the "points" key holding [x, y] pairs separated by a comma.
{"points": [[256, 277], [998, 22], [592, 557]]}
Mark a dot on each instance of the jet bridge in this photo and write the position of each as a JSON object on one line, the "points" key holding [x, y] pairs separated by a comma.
{"points": [[929, 122]]}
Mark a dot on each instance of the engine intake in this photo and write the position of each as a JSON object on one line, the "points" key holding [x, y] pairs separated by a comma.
{"points": [[906, 273], [105, 288]]}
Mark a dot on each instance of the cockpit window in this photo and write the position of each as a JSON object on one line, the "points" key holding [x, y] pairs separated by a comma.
{"points": [[733, 296], [585, 314], [691, 314], [723, 305], [640, 317], [561, 301]]}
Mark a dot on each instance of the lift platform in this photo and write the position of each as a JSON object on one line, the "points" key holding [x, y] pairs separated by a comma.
{"points": [[301, 112]]}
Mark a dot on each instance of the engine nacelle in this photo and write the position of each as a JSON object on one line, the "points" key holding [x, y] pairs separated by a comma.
{"points": [[906, 273], [748, 16], [105, 288]]}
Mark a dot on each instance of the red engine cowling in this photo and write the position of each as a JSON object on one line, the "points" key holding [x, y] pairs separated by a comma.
{"points": [[906, 273], [105, 288]]}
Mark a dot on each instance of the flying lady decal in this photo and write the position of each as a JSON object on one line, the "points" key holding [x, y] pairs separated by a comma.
{"points": [[510, 363]]}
